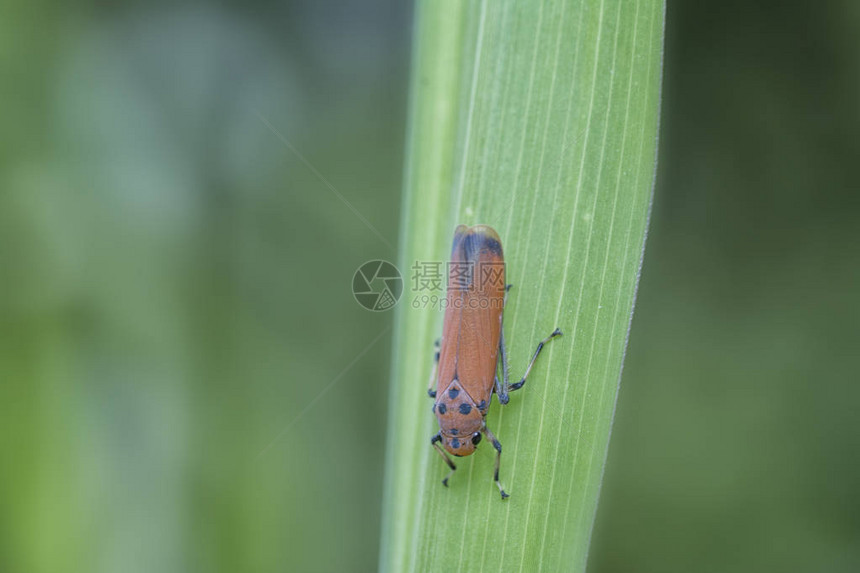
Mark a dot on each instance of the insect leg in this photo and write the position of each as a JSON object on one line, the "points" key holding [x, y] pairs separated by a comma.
{"points": [[431, 390], [434, 441], [498, 447], [540, 346], [502, 385]]}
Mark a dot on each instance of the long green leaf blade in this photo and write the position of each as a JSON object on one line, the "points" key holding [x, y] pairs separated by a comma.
{"points": [[540, 119]]}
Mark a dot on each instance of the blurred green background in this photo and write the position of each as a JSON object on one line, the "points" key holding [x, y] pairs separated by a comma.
{"points": [[186, 383], [737, 444]]}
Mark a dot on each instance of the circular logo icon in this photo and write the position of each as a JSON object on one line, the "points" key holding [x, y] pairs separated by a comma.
{"points": [[377, 285]]}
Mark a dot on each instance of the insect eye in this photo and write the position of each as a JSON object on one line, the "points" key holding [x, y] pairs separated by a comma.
{"points": [[476, 438]]}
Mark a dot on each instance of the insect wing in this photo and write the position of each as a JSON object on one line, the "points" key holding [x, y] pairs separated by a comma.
{"points": [[476, 291]]}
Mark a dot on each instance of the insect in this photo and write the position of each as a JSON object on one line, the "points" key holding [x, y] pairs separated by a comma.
{"points": [[471, 357]]}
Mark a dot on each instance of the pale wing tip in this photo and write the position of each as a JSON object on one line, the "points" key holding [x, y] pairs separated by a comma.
{"points": [[484, 230]]}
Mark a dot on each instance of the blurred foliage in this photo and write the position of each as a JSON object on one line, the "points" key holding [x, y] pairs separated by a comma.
{"points": [[176, 284], [174, 290], [736, 432]]}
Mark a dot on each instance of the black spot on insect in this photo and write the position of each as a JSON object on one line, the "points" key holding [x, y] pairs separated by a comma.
{"points": [[455, 443], [453, 393], [471, 248], [465, 408], [442, 408], [454, 431], [493, 246], [476, 438], [482, 405]]}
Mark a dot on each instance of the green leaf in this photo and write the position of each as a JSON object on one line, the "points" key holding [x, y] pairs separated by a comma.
{"points": [[539, 119]]}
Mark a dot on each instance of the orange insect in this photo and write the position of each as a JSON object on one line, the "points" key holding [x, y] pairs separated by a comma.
{"points": [[472, 350]]}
